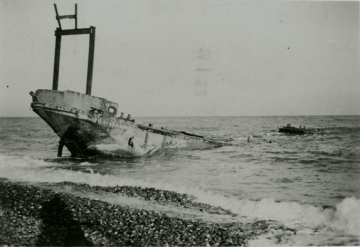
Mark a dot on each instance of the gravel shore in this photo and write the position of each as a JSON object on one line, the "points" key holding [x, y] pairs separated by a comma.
{"points": [[156, 195], [31, 216]]}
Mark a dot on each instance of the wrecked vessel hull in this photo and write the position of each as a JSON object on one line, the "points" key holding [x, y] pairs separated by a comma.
{"points": [[88, 126], [298, 131]]}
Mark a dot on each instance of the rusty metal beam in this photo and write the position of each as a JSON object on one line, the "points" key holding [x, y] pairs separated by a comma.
{"points": [[90, 61], [75, 16], [57, 62], [73, 31], [66, 17], [57, 16]]}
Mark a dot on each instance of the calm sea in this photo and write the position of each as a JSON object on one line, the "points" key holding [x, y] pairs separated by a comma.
{"points": [[310, 183]]}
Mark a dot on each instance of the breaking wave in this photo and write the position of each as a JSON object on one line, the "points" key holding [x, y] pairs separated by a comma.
{"points": [[344, 218]]}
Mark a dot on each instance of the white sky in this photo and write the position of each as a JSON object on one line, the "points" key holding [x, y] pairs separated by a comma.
{"points": [[188, 57]]}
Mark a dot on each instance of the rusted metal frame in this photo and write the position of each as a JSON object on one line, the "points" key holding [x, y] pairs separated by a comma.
{"points": [[58, 34], [59, 17]]}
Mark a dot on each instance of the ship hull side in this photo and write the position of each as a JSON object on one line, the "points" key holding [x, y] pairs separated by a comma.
{"points": [[87, 136], [78, 135]]}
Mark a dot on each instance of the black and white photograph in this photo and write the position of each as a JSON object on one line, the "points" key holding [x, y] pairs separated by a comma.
{"points": [[179, 123]]}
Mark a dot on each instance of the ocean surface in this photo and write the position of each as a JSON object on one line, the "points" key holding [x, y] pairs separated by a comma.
{"points": [[310, 183]]}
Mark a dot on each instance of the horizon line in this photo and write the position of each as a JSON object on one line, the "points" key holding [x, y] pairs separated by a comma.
{"points": [[337, 115]]}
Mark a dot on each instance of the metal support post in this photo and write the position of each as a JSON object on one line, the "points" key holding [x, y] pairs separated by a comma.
{"points": [[91, 61], [60, 147], [57, 61]]}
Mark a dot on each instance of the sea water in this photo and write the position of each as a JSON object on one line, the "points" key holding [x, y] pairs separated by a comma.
{"points": [[310, 183]]}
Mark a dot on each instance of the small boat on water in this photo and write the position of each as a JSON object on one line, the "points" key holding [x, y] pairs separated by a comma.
{"points": [[90, 126], [298, 131]]}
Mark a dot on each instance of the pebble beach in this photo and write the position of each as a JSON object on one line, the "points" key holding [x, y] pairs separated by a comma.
{"points": [[35, 216]]}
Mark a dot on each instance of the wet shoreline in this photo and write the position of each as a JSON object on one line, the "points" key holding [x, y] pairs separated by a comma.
{"points": [[161, 197], [35, 216]]}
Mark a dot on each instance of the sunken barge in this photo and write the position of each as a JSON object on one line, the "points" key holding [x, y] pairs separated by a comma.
{"points": [[90, 126], [302, 130]]}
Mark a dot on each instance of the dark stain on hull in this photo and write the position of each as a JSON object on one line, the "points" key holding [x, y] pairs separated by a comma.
{"points": [[81, 135]]}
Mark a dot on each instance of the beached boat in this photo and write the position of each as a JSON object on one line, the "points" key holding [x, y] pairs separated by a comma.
{"points": [[90, 126], [298, 131]]}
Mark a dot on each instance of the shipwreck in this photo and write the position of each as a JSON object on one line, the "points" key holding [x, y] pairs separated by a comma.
{"points": [[301, 130], [91, 126]]}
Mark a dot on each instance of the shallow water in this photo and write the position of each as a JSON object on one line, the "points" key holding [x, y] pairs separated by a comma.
{"points": [[309, 183]]}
